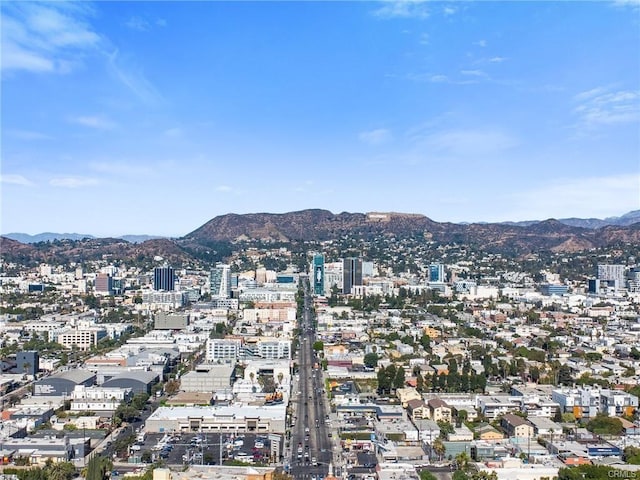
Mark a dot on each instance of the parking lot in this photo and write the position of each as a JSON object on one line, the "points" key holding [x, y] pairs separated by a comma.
{"points": [[203, 448]]}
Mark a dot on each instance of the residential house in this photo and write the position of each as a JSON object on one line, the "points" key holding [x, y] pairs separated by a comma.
{"points": [[439, 411], [516, 426]]}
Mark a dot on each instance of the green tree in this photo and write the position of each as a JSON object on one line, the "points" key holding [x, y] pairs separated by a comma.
{"points": [[632, 455], [60, 471], [438, 448], [604, 425], [462, 461], [371, 360], [399, 378], [565, 376], [318, 346], [427, 475], [139, 400], [98, 467]]}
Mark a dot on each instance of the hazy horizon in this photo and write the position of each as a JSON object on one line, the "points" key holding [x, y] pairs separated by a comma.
{"points": [[158, 116]]}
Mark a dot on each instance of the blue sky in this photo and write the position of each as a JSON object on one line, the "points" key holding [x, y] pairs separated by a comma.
{"points": [[143, 117]]}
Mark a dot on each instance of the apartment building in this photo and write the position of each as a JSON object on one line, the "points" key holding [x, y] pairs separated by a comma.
{"points": [[82, 339]]}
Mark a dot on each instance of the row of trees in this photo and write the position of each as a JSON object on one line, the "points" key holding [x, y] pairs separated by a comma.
{"points": [[51, 471], [98, 468], [127, 412], [390, 378]]}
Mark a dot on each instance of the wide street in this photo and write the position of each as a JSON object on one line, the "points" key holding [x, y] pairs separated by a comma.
{"points": [[310, 443]]}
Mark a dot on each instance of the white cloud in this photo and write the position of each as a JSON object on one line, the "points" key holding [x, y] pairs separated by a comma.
{"points": [[224, 188], [428, 77], [497, 59], [97, 122], [481, 43], [73, 182], [28, 135], [594, 92], [468, 142], [474, 73], [375, 137], [424, 39], [449, 10], [137, 23], [15, 179], [570, 197], [49, 37], [600, 106], [402, 9]]}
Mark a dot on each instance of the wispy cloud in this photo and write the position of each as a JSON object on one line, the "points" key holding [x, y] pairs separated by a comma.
{"points": [[474, 73], [130, 169], [224, 188], [439, 78], [633, 4], [50, 37], [476, 142], [402, 9], [449, 10], [27, 135], [143, 24], [132, 77], [428, 77], [173, 132], [375, 137], [600, 106], [137, 23], [481, 43], [497, 59], [73, 182], [589, 196], [96, 121], [15, 179], [424, 39]]}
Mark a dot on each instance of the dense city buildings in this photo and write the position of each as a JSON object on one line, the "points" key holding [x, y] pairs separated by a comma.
{"points": [[433, 355]]}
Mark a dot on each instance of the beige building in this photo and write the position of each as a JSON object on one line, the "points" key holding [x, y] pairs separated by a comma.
{"points": [[516, 426], [439, 411], [406, 394], [81, 339]]}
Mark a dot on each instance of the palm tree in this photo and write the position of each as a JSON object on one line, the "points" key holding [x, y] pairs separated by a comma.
{"points": [[60, 471], [462, 460], [438, 448]]}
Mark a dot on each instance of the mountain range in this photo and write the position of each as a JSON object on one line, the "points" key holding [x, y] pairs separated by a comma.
{"points": [[219, 237], [591, 223]]}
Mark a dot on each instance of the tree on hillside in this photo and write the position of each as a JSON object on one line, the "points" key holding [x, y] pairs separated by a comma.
{"points": [[602, 424]]}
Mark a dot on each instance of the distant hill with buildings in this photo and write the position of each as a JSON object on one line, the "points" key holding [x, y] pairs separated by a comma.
{"points": [[319, 225], [217, 238], [50, 237]]}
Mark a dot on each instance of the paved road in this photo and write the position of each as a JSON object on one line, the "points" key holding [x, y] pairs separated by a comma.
{"points": [[309, 436]]}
